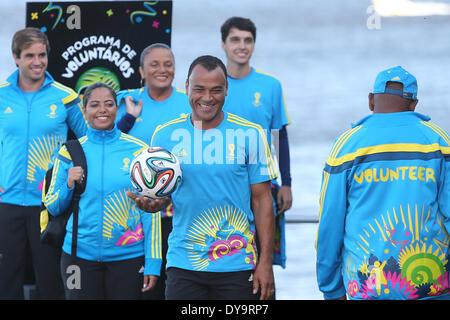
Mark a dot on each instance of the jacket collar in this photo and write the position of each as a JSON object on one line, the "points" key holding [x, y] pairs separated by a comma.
{"points": [[13, 79], [103, 136], [396, 118]]}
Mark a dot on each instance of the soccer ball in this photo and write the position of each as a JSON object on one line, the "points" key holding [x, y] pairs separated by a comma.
{"points": [[155, 172]]}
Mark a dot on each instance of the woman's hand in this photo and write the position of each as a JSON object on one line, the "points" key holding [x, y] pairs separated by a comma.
{"points": [[133, 108], [76, 174]]}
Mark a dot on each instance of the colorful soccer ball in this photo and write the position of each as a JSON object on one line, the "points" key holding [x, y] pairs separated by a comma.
{"points": [[155, 172]]}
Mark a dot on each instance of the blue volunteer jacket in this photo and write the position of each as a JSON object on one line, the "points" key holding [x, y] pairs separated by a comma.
{"points": [[32, 128], [110, 226], [385, 210]]}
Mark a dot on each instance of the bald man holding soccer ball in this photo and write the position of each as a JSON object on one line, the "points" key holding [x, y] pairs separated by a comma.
{"points": [[224, 196]]}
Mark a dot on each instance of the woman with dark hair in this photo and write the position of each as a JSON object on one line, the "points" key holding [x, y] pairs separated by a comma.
{"points": [[113, 257]]}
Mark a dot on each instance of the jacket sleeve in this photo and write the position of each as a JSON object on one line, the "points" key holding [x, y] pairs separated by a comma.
{"points": [[126, 123], [280, 115], [76, 119], [124, 120], [284, 158], [260, 162], [332, 215], [151, 223], [444, 189], [59, 196], [330, 237]]}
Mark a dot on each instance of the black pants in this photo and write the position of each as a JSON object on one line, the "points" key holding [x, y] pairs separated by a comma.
{"points": [[84, 279], [158, 292], [19, 236], [200, 285]]}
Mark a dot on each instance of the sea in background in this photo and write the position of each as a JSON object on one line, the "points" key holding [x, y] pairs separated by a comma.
{"points": [[326, 53]]}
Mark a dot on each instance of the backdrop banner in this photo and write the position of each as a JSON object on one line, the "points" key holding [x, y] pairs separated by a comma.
{"points": [[100, 41]]}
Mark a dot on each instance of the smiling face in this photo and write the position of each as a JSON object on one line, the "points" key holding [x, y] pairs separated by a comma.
{"points": [[101, 109], [158, 69], [32, 63], [239, 46], [207, 91]]}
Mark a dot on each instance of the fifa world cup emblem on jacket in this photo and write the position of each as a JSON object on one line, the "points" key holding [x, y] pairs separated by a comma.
{"points": [[257, 101]]}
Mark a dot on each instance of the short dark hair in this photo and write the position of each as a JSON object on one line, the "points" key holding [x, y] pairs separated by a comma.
{"points": [[92, 87], [239, 23], [209, 63], [24, 38]]}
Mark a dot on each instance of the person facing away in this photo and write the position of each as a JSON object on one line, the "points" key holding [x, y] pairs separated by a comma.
{"points": [[142, 110], [35, 115], [385, 202], [118, 246], [223, 196]]}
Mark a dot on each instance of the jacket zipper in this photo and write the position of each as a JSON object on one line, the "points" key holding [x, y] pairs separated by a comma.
{"points": [[100, 228], [27, 151], [27, 148]]}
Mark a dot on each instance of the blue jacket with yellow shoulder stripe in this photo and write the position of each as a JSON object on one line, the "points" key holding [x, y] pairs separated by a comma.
{"points": [[33, 126], [385, 211], [110, 226]]}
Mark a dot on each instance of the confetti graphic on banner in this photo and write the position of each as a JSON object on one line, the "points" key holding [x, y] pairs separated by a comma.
{"points": [[52, 7], [136, 16]]}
